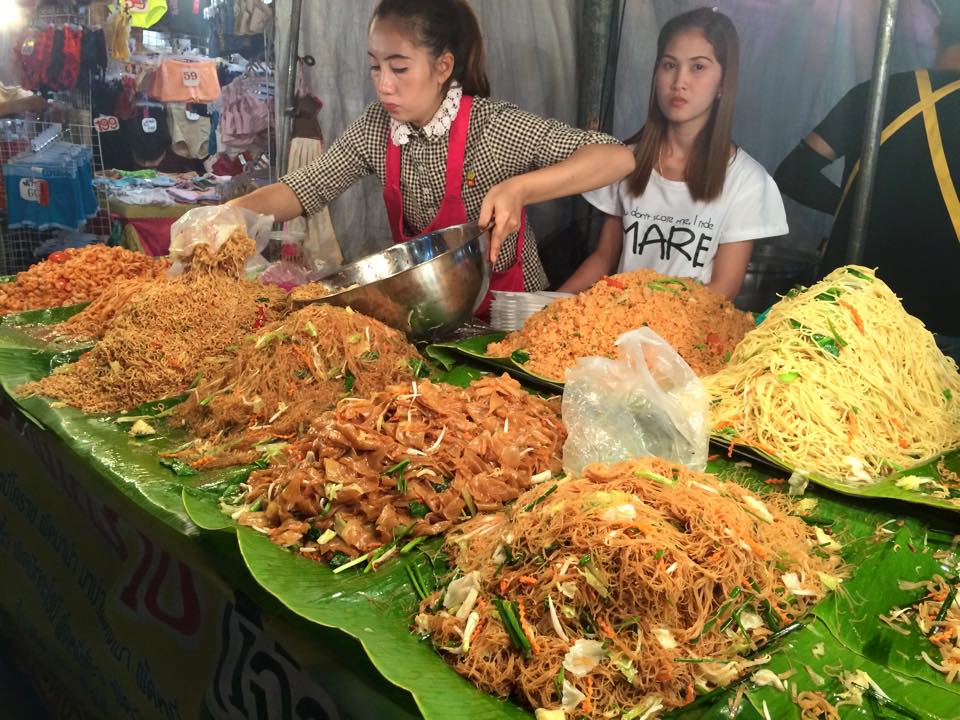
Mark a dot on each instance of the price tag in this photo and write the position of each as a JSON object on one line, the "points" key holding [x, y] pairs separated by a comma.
{"points": [[33, 190], [149, 125], [27, 48], [106, 123], [191, 115], [190, 78], [136, 5]]}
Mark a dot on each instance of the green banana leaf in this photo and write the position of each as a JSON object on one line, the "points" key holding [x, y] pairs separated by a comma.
{"points": [[29, 329], [886, 489], [473, 350], [131, 464]]}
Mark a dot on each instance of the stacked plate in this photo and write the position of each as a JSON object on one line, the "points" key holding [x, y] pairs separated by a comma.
{"points": [[509, 310]]}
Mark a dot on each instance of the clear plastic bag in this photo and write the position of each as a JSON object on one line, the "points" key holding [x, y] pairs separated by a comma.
{"points": [[647, 403], [211, 226]]}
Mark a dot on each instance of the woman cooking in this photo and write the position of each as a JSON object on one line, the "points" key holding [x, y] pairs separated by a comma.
{"points": [[444, 151]]}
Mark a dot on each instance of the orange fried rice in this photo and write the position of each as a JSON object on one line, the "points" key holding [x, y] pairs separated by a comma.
{"points": [[702, 326]]}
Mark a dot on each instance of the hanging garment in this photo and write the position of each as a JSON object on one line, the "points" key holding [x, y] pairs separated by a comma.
{"points": [[186, 81], [321, 243], [145, 13], [189, 132]]}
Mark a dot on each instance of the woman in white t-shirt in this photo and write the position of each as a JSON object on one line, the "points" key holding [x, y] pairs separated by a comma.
{"points": [[695, 202]]}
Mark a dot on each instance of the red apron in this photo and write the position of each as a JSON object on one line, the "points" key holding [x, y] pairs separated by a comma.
{"points": [[452, 211]]}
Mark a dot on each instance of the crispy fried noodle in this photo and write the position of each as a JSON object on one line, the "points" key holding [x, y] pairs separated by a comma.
{"points": [[167, 334]]}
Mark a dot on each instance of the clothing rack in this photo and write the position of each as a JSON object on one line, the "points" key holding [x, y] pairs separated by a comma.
{"points": [[18, 246]]}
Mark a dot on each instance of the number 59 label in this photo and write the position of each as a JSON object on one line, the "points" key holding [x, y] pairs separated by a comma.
{"points": [[190, 78]]}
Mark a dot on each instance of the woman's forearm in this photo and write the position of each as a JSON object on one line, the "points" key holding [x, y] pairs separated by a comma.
{"points": [[590, 167], [276, 199]]}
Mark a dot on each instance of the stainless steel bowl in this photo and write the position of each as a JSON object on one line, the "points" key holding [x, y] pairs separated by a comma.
{"points": [[424, 287]]}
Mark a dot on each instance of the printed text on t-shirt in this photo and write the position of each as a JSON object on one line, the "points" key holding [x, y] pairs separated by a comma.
{"points": [[671, 234]]}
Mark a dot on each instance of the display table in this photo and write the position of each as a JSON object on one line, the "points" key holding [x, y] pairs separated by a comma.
{"points": [[130, 595]]}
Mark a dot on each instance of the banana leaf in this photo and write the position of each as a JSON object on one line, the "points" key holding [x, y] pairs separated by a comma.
{"points": [[131, 464], [473, 351], [29, 329], [885, 489]]}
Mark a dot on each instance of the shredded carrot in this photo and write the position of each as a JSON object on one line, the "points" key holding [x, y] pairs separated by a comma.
{"points": [[303, 356], [202, 461], [897, 424], [856, 316], [291, 390], [852, 422], [774, 481], [688, 698], [730, 448], [526, 580], [945, 635], [587, 705], [902, 442], [527, 630], [714, 556], [605, 626], [713, 457], [504, 584], [665, 675], [773, 603], [760, 552]]}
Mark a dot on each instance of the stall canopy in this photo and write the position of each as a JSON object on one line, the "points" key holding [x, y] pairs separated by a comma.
{"points": [[798, 58]]}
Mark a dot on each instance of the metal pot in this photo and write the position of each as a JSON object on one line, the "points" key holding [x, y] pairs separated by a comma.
{"points": [[424, 287]]}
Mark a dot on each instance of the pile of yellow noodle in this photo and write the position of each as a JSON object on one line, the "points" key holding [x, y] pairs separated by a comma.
{"points": [[701, 326], [840, 381], [406, 462], [619, 586], [167, 334], [287, 374]]}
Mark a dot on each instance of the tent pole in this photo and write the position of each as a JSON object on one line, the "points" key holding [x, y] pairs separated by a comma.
{"points": [[289, 88], [876, 101]]}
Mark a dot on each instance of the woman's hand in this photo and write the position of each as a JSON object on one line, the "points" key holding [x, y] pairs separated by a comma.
{"points": [[501, 209]]}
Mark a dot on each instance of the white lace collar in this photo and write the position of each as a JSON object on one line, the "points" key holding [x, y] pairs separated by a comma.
{"points": [[400, 132]]}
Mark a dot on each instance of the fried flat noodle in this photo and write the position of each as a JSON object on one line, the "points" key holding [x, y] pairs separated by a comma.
{"points": [[409, 461], [623, 591], [701, 326]]}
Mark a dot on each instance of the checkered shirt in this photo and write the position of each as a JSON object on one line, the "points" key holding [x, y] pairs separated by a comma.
{"points": [[502, 142]]}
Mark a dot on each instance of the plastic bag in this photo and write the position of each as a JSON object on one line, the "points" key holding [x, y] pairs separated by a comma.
{"points": [[647, 403], [211, 226]]}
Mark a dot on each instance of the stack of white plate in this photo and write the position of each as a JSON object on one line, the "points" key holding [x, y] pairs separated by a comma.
{"points": [[509, 310]]}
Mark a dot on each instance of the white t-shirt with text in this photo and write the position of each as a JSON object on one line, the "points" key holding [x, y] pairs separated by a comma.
{"points": [[668, 231]]}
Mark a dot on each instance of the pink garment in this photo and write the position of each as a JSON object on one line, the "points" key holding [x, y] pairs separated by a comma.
{"points": [[244, 117], [153, 234]]}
